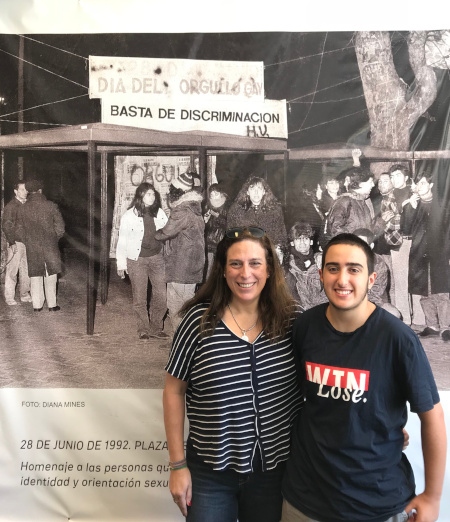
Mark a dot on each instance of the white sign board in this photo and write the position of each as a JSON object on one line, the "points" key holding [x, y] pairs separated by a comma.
{"points": [[78, 454], [266, 118], [186, 79]]}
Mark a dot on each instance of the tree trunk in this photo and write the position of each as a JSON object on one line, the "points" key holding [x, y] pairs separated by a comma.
{"points": [[392, 109]]}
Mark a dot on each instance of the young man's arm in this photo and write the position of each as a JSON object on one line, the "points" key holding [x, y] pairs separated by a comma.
{"points": [[175, 224], [434, 449]]}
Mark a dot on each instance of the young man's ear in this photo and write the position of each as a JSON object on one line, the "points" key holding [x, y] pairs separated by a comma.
{"points": [[372, 278]]}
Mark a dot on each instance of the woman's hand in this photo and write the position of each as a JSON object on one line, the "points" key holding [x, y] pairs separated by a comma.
{"points": [[121, 273], [180, 486]]}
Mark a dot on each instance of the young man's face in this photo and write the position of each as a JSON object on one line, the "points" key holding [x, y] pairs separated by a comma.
{"points": [[423, 188], [21, 192], [365, 188], [302, 244], [332, 186], [345, 277], [385, 184], [398, 179]]}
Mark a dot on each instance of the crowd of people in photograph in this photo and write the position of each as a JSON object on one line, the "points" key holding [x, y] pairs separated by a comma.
{"points": [[390, 213], [175, 252]]}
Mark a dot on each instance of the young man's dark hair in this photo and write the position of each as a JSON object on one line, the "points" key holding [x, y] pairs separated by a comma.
{"points": [[402, 168], [427, 175], [356, 176], [300, 228], [351, 239]]}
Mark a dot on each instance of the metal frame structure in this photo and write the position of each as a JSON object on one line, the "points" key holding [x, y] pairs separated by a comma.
{"points": [[99, 139]]}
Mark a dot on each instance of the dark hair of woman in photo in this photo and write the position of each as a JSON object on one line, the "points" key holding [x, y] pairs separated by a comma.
{"points": [[268, 200], [256, 204], [139, 204]]}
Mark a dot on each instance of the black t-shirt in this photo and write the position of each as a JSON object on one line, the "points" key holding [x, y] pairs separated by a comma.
{"points": [[346, 458]]}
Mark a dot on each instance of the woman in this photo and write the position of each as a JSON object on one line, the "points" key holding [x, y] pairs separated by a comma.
{"points": [[139, 255], [257, 205], [231, 364], [215, 217]]}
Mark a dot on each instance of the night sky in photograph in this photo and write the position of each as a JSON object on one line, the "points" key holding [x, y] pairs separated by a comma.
{"points": [[316, 73]]}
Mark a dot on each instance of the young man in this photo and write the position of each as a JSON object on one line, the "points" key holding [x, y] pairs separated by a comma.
{"points": [[400, 178], [16, 262], [353, 209], [428, 277], [215, 217], [379, 292], [391, 238], [302, 276], [184, 249], [40, 226], [359, 366]]}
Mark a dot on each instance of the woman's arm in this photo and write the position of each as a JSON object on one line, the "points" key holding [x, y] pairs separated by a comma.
{"points": [[180, 484]]}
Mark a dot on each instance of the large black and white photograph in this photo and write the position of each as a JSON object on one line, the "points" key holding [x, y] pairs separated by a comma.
{"points": [[363, 149], [133, 165]]}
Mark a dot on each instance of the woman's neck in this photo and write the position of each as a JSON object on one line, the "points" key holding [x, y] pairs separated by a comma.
{"points": [[250, 307]]}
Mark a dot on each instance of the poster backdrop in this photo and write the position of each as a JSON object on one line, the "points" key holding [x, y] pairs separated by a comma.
{"points": [[98, 452]]}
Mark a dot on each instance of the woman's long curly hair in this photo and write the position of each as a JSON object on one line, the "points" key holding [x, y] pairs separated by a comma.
{"points": [[268, 202], [276, 305], [138, 203]]}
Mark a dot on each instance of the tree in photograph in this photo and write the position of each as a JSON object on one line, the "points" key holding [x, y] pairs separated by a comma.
{"points": [[393, 106]]}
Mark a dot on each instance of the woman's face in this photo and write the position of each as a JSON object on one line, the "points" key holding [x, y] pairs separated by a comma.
{"points": [[256, 193], [216, 199], [149, 198], [246, 270]]}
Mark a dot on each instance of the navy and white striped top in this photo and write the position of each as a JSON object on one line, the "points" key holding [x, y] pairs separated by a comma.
{"points": [[240, 395]]}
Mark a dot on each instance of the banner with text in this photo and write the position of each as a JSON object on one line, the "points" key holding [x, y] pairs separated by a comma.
{"points": [[265, 118], [78, 454], [186, 79]]}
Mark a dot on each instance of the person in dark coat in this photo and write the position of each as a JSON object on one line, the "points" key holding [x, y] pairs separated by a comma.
{"points": [[401, 181], [257, 205], [425, 278], [303, 277], [327, 192], [40, 226], [215, 217], [184, 247], [352, 209], [16, 260]]}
